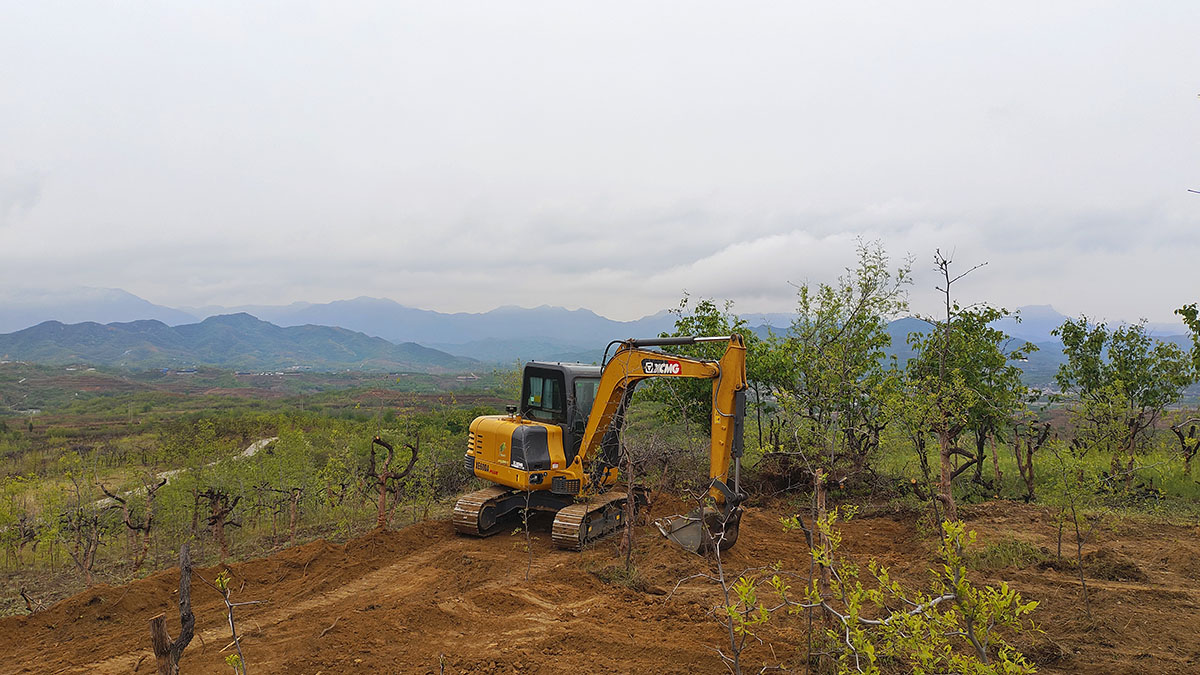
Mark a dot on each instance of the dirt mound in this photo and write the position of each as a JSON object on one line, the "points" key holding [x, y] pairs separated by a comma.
{"points": [[422, 599], [1107, 564]]}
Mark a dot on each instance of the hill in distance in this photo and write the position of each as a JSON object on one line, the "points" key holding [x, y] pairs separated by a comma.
{"points": [[21, 308], [236, 341], [498, 337]]}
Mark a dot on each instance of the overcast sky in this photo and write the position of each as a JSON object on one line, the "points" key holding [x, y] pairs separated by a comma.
{"points": [[459, 156]]}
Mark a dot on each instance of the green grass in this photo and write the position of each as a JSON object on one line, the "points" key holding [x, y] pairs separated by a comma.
{"points": [[1174, 493], [1004, 553]]}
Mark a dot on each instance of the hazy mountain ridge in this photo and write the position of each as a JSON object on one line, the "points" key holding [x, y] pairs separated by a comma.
{"points": [[22, 308], [498, 337], [227, 341]]}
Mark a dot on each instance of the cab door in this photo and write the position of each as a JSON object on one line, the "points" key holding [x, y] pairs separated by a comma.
{"points": [[583, 397]]}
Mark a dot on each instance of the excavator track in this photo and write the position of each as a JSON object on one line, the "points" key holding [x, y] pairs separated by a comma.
{"points": [[578, 525], [475, 512], [485, 512]]}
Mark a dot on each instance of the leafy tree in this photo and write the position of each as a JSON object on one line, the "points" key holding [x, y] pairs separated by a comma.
{"points": [[830, 370], [691, 396], [962, 380], [1071, 489], [1123, 380], [1191, 318], [508, 382], [968, 348], [17, 522], [875, 622]]}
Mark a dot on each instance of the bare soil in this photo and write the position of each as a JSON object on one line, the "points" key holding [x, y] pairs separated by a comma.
{"points": [[423, 598]]}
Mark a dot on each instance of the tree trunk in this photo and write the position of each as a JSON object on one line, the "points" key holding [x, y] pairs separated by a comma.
{"points": [[945, 447], [218, 533], [1129, 471], [980, 455], [825, 662], [381, 517], [1027, 472], [996, 464], [823, 540], [130, 536], [89, 557], [160, 641], [295, 507], [146, 523], [195, 512], [166, 651]]}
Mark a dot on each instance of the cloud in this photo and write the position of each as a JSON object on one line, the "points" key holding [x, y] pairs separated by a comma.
{"points": [[19, 194], [463, 159]]}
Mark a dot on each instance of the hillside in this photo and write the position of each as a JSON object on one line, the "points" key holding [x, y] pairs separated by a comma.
{"points": [[228, 341], [424, 600]]}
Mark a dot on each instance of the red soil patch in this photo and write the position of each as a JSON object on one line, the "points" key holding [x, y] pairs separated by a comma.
{"points": [[399, 602]]}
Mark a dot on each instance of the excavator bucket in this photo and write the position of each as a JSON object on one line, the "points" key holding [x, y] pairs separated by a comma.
{"points": [[701, 529]]}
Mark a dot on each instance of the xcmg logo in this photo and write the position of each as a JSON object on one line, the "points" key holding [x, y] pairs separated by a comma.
{"points": [[660, 367]]}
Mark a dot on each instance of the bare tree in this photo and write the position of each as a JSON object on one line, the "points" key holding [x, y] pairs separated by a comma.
{"points": [[221, 585], [167, 651], [1187, 442], [387, 480], [1027, 439], [86, 529], [147, 517], [221, 515]]}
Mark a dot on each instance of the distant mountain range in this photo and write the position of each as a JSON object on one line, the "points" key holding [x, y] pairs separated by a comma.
{"points": [[379, 334], [236, 341], [22, 307]]}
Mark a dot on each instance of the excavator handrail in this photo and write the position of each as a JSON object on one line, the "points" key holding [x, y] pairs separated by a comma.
{"points": [[664, 342]]}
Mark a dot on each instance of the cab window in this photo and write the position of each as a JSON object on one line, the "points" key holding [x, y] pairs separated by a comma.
{"points": [[585, 396], [544, 398]]}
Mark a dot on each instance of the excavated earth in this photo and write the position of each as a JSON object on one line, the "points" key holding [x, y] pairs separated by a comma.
{"points": [[425, 600]]}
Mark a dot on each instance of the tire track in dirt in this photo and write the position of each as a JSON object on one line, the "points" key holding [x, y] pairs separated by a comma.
{"points": [[278, 611], [401, 601], [445, 594]]}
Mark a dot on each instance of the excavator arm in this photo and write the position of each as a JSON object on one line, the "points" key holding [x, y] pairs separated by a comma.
{"points": [[633, 362]]}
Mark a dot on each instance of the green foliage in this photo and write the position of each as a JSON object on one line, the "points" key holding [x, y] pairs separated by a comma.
{"points": [[1150, 373], [873, 622], [968, 354], [1123, 380], [960, 379], [508, 380], [829, 370], [691, 396], [1191, 318]]}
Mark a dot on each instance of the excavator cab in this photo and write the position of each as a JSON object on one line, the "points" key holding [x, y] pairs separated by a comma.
{"points": [[561, 394]]}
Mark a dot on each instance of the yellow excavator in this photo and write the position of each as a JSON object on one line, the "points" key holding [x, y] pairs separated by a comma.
{"points": [[558, 451]]}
